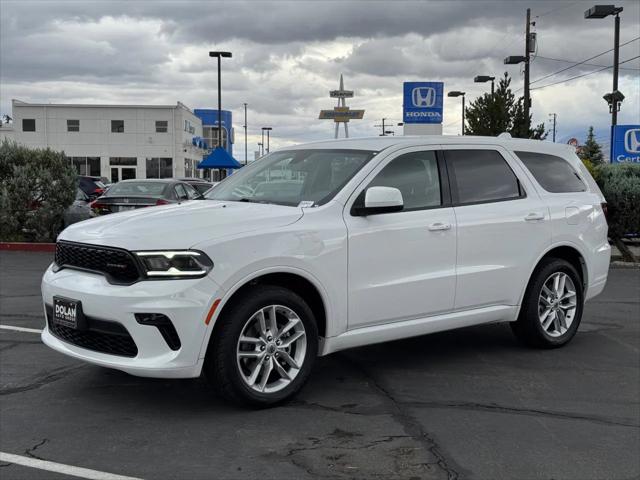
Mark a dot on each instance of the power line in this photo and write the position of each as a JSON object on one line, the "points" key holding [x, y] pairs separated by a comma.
{"points": [[583, 75], [555, 9], [582, 62], [573, 62]]}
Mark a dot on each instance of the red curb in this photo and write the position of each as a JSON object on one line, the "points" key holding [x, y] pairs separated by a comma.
{"points": [[28, 247]]}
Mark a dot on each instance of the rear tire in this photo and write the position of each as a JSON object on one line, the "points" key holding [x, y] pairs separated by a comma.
{"points": [[552, 305], [263, 348]]}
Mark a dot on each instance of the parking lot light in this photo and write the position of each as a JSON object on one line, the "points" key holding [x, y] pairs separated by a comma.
{"points": [[219, 55], [484, 79]]}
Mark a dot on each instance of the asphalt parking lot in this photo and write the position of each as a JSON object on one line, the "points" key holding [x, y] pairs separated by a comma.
{"points": [[471, 403]]}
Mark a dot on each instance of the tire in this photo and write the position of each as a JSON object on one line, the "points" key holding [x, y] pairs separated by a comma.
{"points": [[231, 375], [530, 325]]}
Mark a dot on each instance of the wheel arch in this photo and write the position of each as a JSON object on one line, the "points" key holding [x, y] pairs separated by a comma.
{"points": [[296, 280], [565, 251]]}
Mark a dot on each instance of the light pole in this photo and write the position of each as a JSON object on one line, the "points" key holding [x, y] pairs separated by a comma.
{"points": [[219, 56], [614, 99], [267, 129], [245, 133], [456, 93], [484, 79], [554, 117], [260, 149]]}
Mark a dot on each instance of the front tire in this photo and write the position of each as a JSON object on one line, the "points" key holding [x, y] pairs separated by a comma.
{"points": [[552, 305], [263, 348]]}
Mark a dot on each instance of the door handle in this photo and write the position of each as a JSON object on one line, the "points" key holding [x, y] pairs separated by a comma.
{"points": [[435, 227], [532, 217]]}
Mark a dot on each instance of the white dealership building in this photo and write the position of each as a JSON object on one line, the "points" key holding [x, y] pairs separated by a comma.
{"points": [[114, 141]]}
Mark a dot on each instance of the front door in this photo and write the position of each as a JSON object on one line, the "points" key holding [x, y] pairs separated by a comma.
{"points": [[402, 264]]}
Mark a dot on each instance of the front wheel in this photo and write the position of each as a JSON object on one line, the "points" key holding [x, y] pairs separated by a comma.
{"points": [[263, 350], [552, 306]]}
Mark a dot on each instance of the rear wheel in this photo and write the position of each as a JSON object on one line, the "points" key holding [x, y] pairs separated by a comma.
{"points": [[552, 306], [263, 350]]}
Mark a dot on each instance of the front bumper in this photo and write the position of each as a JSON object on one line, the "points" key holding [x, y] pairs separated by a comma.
{"points": [[185, 302]]}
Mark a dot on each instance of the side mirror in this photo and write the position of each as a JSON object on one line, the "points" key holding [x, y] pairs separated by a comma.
{"points": [[378, 200]]}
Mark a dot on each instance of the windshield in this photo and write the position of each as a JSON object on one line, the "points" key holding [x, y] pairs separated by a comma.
{"points": [[149, 189], [292, 177]]}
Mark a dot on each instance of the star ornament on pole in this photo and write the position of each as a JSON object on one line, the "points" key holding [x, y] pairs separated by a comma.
{"points": [[341, 113]]}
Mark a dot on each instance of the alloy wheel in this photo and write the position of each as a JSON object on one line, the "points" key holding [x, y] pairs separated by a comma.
{"points": [[557, 304]]}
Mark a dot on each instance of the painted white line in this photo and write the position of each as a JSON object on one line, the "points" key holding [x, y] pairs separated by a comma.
{"points": [[20, 329], [61, 468]]}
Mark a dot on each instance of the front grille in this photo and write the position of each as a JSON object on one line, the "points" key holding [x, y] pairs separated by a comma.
{"points": [[116, 264], [102, 336]]}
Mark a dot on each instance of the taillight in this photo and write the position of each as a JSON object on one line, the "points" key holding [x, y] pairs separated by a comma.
{"points": [[605, 210], [97, 205], [98, 191], [161, 201]]}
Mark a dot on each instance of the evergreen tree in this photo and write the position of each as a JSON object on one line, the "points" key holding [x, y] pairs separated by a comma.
{"points": [[501, 112], [591, 150]]}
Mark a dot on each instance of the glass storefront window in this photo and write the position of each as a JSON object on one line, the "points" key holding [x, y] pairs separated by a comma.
{"points": [[86, 165], [159, 167]]}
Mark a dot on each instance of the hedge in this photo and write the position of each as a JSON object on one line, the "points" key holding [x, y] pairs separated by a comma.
{"points": [[36, 187], [620, 185]]}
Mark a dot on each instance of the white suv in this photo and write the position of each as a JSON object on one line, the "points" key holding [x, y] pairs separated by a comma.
{"points": [[328, 246]]}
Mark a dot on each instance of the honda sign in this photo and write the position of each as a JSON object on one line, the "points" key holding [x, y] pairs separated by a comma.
{"points": [[423, 102], [625, 147]]}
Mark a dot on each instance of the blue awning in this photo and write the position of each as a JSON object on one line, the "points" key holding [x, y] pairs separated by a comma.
{"points": [[219, 158]]}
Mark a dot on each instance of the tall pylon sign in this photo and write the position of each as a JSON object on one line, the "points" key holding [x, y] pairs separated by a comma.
{"points": [[341, 113]]}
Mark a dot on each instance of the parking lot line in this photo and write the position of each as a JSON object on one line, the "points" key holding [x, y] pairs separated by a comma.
{"points": [[20, 329], [61, 468]]}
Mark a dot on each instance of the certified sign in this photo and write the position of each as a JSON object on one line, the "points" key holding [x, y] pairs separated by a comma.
{"points": [[625, 147], [423, 102]]}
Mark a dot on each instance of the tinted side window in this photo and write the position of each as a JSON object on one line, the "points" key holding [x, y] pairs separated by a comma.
{"points": [[481, 176], [554, 174], [416, 176], [180, 192], [191, 192]]}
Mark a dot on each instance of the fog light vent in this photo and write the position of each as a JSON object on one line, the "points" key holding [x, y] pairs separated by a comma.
{"points": [[164, 326]]}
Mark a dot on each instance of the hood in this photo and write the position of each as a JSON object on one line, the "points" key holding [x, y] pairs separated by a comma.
{"points": [[179, 225]]}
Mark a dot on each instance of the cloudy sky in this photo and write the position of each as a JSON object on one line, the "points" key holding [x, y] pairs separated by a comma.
{"points": [[287, 55]]}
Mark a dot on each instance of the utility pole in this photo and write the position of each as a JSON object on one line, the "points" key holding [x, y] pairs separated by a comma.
{"points": [[383, 127], [554, 116], [616, 66], [245, 133], [527, 99]]}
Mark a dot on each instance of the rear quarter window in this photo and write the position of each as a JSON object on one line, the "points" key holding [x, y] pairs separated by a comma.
{"points": [[553, 173]]}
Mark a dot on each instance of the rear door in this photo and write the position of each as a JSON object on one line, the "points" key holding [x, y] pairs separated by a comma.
{"points": [[503, 225], [402, 264]]}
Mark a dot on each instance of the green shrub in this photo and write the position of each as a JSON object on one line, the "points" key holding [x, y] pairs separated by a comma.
{"points": [[620, 185], [36, 187]]}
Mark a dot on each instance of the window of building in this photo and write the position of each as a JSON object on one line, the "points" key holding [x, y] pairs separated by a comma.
{"points": [[481, 176], [416, 176], [159, 167], [188, 167], [210, 135], [73, 125], [123, 161], [162, 126], [188, 127], [28, 124], [86, 165], [554, 174], [117, 126]]}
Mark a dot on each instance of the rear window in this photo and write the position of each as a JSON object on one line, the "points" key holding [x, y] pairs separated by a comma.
{"points": [[481, 176], [152, 189], [553, 173]]}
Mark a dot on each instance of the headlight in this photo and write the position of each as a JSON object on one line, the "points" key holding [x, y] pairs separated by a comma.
{"points": [[175, 263]]}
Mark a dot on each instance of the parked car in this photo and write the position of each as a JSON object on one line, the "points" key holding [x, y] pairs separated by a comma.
{"points": [[79, 210], [386, 238], [132, 194], [93, 187], [199, 184]]}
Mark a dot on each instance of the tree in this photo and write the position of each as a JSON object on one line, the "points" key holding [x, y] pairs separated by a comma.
{"points": [[591, 150], [492, 115]]}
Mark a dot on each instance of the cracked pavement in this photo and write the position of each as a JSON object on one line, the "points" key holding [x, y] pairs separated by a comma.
{"points": [[466, 404]]}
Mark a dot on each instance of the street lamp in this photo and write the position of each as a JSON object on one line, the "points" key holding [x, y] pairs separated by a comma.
{"points": [[459, 94], [614, 99], [484, 79], [245, 133], [268, 129], [260, 148], [219, 55]]}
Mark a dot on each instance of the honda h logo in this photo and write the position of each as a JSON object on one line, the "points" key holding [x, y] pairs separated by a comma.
{"points": [[423, 97], [632, 140]]}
